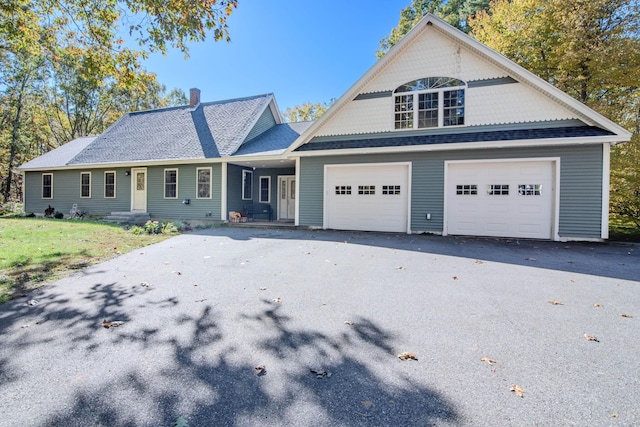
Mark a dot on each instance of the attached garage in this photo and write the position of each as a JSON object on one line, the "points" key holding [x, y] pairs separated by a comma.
{"points": [[515, 198], [368, 197]]}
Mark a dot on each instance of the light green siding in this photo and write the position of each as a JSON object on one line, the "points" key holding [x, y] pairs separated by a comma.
{"points": [[580, 184], [159, 207], [264, 123], [66, 192]]}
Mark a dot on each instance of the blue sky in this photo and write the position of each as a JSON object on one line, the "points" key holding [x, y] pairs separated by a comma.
{"points": [[301, 51]]}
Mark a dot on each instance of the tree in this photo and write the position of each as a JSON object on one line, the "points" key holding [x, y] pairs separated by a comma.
{"points": [[306, 112], [455, 12], [590, 50]]}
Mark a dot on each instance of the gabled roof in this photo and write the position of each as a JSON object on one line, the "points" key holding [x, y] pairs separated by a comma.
{"points": [[274, 141], [520, 74], [60, 156], [211, 130]]}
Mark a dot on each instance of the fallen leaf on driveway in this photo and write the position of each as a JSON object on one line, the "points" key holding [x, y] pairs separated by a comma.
{"points": [[591, 338], [320, 373], [263, 289], [112, 324], [478, 261], [628, 316], [366, 403], [348, 322], [399, 267], [145, 284], [455, 277], [201, 300], [516, 388], [598, 305], [487, 360], [277, 299], [260, 370], [554, 302], [32, 302], [407, 355], [177, 272]]}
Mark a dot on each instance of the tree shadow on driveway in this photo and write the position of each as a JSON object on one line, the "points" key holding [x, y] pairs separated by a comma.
{"points": [[174, 358]]}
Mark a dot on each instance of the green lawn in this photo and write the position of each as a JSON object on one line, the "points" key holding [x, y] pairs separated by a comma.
{"points": [[33, 251]]}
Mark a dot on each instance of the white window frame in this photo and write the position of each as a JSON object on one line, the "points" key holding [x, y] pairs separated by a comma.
{"points": [[198, 182], [245, 173], [51, 185], [82, 184], [413, 98], [164, 187], [114, 184], [260, 199]]}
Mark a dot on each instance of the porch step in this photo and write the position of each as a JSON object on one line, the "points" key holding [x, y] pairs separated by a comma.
{"points": [[137, 218]]}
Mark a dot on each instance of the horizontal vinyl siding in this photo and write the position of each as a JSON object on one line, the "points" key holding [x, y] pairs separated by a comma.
{"points": [[234, 188], [159, 207], [264, 123], [580, 186], [66, 192]]}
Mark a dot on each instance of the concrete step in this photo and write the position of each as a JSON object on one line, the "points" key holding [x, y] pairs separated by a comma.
{"points": [[127, 217]]}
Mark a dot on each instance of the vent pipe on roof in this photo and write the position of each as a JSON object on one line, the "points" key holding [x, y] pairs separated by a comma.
{"points": [[194, 98]]}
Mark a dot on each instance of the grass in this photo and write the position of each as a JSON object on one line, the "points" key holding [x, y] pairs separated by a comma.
{"points": [[623, 230], [34, 251]]}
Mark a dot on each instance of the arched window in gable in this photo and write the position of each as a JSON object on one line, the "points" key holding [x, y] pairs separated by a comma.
{"points": [[429, 103]]}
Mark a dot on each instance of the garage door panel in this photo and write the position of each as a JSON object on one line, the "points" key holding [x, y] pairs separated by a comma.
{"points": [[384, 210], [500, 207]]}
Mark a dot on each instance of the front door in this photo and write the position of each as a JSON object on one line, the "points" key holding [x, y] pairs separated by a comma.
{"points": [[139, 190], [286, 197]]}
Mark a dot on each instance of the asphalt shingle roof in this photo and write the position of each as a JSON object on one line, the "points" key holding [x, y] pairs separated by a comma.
{"points": [[61, 156], [274, 141], [212, 130], [485, 136]]}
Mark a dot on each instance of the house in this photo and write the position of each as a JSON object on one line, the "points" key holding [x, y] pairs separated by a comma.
{"points": [[198, 161], [442, 135]]}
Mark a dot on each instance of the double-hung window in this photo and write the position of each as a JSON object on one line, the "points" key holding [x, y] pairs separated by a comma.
{"points": [[265, 189], [171, 183], [204, 183], [47, 186], [247, 185], [431, 102], [109, 185], [85, 184]]}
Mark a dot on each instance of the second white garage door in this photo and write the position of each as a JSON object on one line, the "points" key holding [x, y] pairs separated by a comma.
{"points": [[367, 197], [502, 199]]}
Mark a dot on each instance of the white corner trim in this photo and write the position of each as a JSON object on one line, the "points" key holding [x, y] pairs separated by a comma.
{"points": [[297, 202], [606, 173], [223, 191]]}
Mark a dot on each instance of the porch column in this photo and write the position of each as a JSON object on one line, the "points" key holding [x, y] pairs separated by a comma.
{"points": [[297, 216], [223, 192]]}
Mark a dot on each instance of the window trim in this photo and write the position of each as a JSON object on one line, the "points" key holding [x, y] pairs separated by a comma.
{"points": [[268, 178], [50, 185], [114, 184], [412, 97], [210, 169], [165, 183], [245, 173], [82, 185]]}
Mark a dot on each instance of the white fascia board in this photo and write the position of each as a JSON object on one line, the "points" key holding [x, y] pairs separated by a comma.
{"points": [[461, 146], [137, 164], [277, 115]]}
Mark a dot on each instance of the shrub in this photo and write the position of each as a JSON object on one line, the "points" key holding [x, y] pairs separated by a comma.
{"points": [[136, 229], [58, 215], [152, 227], [169, 228]]}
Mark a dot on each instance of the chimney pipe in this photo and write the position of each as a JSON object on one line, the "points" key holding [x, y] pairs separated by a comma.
{"points": [[194, 98]]}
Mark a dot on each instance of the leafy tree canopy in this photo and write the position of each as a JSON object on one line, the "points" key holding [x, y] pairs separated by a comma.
{"points": [[306, 112]]}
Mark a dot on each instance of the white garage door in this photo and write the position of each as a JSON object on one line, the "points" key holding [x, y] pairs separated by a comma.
{"points": [[367, 197], [503, 199]]}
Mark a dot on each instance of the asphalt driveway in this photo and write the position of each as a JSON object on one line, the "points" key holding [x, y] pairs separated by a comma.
{"points": [[201, 311]]}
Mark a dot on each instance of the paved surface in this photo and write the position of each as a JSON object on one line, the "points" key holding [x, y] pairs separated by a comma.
{"points": [[200, 315]]}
